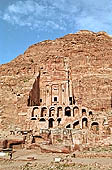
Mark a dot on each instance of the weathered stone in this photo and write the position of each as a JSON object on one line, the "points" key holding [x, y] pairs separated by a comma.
{"points": [[65, 83]]}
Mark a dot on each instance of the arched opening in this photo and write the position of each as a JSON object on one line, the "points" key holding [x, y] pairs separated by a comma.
{"points": [[67, 111], [84, 123], [90, 113], [51, 111], [95, 127], [76, 125], [59, 111], [43, 112], [75, 111], [33, 118], [42, 120], [35, 112], [68, 126], [59, 120], [83, 110], [51, 120]]}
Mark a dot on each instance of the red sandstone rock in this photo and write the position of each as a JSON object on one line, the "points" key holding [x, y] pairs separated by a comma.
{"points": [[90, 56]]}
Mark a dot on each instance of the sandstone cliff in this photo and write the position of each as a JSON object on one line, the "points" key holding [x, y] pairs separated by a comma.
{"points": [[90, 60]]}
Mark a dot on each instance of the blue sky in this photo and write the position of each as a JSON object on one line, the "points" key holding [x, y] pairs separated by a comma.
{"points": [[25, 22]]}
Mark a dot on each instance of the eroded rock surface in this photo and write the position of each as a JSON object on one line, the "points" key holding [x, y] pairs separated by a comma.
{"points": [[90, 56]]}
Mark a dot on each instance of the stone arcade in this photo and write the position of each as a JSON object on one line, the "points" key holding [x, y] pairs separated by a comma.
{"points": [[59, 91], [52, 106]]}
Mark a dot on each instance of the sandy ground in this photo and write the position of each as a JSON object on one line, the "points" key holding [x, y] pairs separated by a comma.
{"points": [[35, 160]]}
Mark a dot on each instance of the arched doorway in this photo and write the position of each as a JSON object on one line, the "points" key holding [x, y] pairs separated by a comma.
{"points": [[84, 123], [76, 125], [35, 112], [59, 120], [33, 118], [51, 120], [43, 112], [51, 111], [75, 111], [83, 112], [68, 111], [42, 120], [90, 113], [68, 126], [59, 111], [95, 127]]}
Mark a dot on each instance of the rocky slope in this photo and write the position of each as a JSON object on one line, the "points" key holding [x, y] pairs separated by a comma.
{"points": [[90, 60]]}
